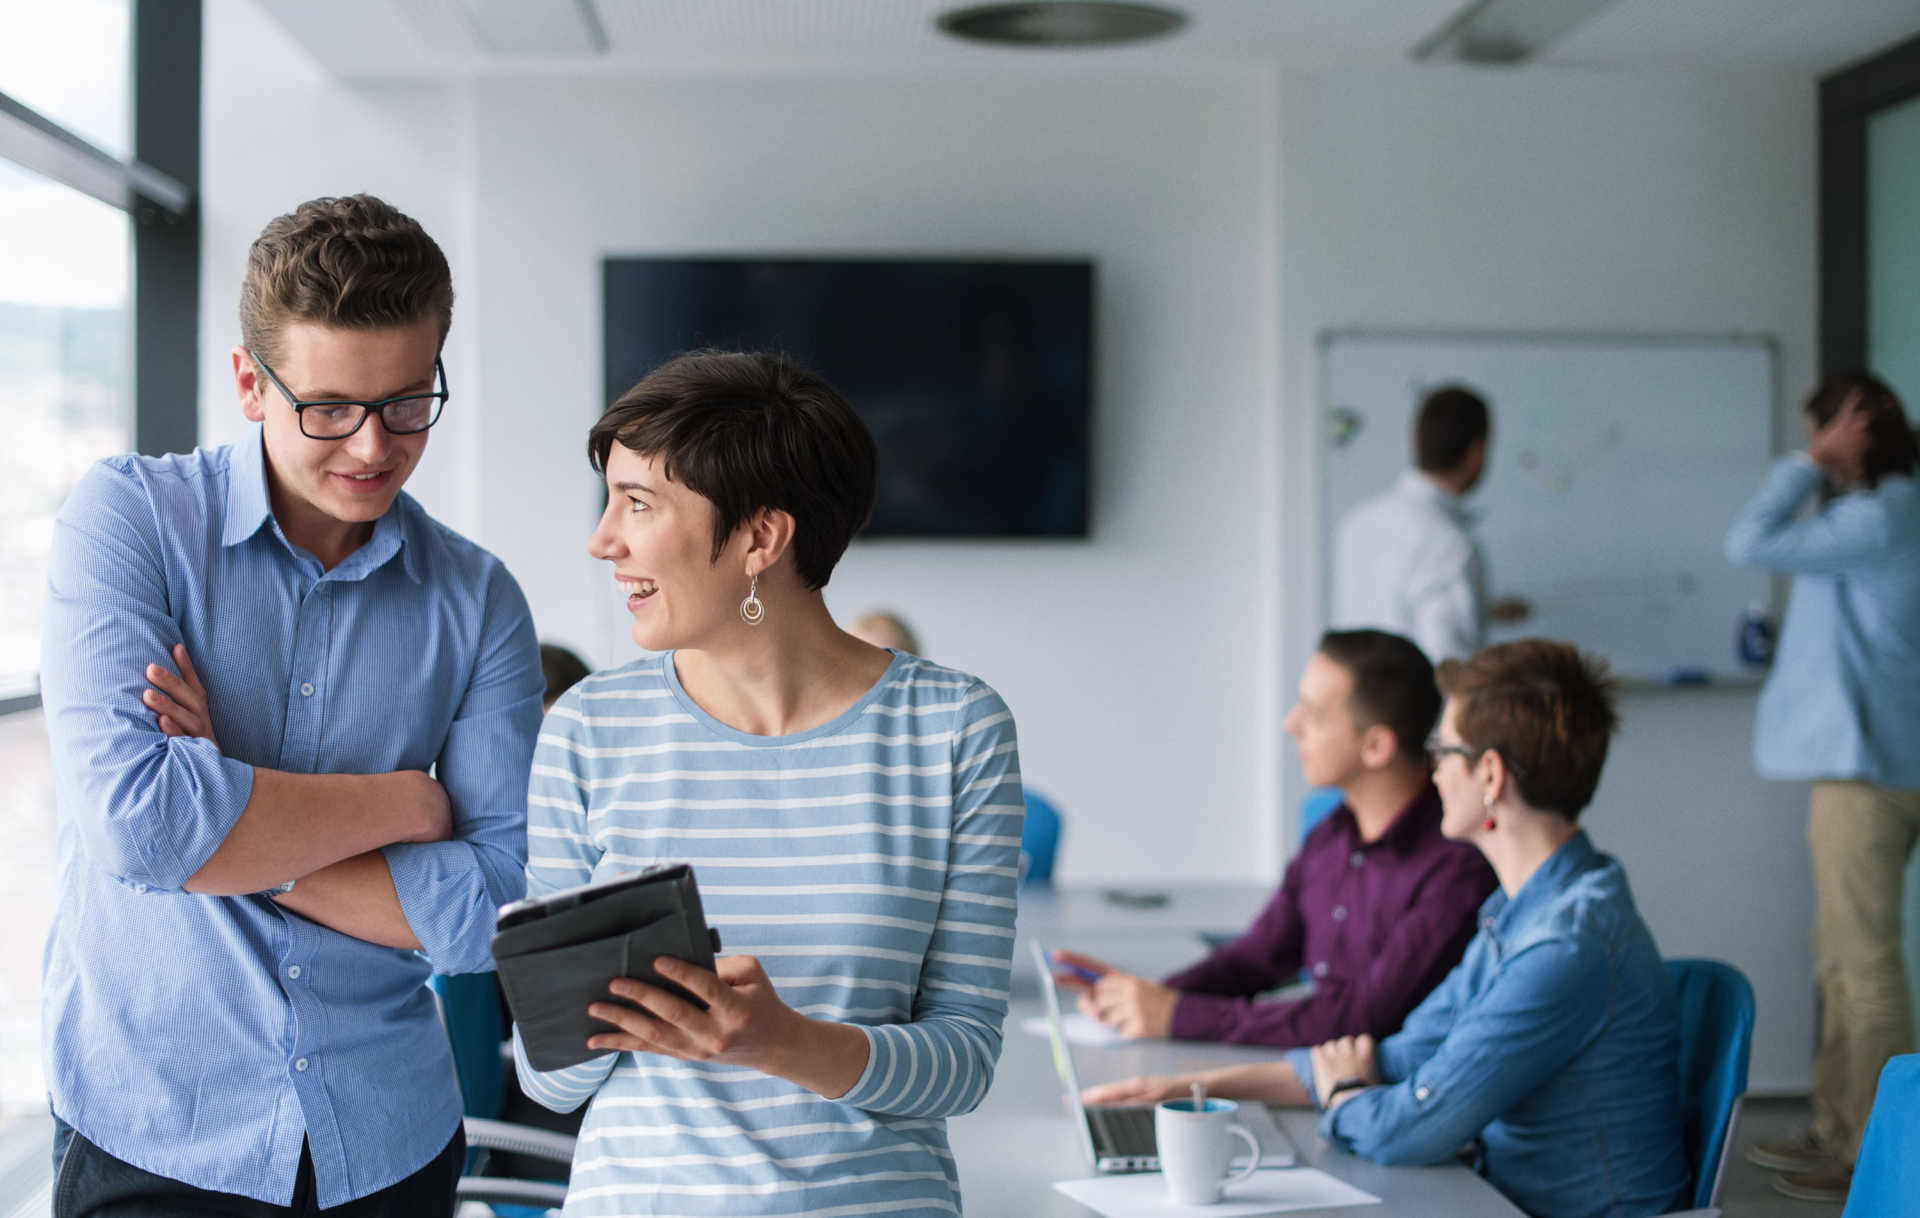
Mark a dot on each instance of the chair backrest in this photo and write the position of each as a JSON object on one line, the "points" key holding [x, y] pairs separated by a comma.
{"points": [[1886, 1178], [1039, 839], [470, 1008], [1716, 1041], [1317, 805]]}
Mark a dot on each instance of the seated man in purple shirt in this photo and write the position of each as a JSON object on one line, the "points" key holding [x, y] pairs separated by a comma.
{"points": [[1376, 907]]}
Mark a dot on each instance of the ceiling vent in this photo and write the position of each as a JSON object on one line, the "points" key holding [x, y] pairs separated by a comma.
{"points": [[1061, 23], [536, 27], [1504, 31]]}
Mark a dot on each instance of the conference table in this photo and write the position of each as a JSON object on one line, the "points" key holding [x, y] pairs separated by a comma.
{"points": [[1021, 1140]]}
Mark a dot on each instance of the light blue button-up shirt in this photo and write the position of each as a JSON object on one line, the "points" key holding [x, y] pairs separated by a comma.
{"points": [[1843, 699], [1555, 1043], [203, 1037]]}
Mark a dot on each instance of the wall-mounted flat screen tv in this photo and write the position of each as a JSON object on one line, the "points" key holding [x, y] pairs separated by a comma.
{"points": [[975, 377]]}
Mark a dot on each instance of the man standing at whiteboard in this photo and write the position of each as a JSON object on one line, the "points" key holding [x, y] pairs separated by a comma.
{"points": [[1407, 561]]}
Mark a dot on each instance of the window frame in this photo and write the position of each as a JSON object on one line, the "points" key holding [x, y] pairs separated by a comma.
{"points": [[159, 189], [1849, 99]]}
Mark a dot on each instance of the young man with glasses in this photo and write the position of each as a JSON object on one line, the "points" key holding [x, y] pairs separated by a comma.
{"points": [[1376, 906], [253, 656]]}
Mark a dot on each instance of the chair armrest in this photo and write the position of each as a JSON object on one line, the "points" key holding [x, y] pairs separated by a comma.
{"points": [[493, 1190], [483, 1134]]}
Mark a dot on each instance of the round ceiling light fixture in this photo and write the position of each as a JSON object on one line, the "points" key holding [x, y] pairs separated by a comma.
{"points": [[1061, 23]]}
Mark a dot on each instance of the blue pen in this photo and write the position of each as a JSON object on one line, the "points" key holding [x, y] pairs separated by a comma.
{"points": [[1083, 973]]}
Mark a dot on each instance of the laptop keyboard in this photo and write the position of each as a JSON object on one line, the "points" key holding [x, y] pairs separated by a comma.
{"points": [[1123, 1131]]}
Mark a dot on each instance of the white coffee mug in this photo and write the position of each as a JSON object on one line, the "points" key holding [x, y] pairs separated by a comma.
{"points": [[1196, 1147]]}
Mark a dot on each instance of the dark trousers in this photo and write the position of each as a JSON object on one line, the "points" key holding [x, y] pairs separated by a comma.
{"points": [[90, 1183]]}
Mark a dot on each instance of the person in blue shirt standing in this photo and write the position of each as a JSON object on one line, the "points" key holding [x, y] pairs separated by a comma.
{"points": [[1551, 1053], [253, 656], [1841, 709]]}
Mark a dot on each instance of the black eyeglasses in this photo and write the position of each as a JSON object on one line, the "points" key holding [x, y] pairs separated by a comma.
{"points": [[1438, 751], [336, 420]]}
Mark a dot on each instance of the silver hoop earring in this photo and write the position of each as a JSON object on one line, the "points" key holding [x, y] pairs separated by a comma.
{"points": [[753, 610]]}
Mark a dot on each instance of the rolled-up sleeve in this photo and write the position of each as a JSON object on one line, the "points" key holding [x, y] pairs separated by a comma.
{"points": [[941, 1063], [1535, 1017], [451, 891], [150, 809]]}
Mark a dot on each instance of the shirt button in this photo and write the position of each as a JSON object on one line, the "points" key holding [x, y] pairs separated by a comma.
{"points": [[1339, 913], [301, 1064], [294, 972], [1421, 1093], [306, 689], [1357, 859], [1320, 969]]}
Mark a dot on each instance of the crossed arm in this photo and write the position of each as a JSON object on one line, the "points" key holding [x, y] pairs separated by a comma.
{"points": [[323, 831]]}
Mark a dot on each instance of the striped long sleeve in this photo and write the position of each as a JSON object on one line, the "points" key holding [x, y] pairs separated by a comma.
{"points": [[869, 863]]}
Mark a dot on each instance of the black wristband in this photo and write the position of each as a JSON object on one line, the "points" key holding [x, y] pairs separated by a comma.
{"points": [[1351, 1083]]}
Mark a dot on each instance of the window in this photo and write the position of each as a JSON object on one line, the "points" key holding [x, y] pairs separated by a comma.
{"points": [[99, 152], [63, 378]]}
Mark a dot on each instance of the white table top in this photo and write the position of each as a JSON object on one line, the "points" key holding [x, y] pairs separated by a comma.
{"points": [[1021, 1140]]}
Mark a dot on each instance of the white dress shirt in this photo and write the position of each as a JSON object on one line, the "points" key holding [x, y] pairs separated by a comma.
{"points": [[1407, 562]]}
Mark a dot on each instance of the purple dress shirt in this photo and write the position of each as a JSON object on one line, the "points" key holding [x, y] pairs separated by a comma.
{"points": [[1376, 925]]}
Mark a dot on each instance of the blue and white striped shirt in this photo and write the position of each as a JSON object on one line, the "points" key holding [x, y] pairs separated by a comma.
{"points": [[869, 863], [204, 1037]]}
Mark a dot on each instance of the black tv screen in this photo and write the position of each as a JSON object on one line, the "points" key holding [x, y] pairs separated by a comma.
{"points": [[975, 377]]}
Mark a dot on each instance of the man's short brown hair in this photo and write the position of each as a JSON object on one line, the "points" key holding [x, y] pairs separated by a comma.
{"points": [[1546, 708], [357, 263], [1392, 685], [1448, 422], [750, 430]]}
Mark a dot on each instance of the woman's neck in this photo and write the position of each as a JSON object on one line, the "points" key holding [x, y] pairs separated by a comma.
{"points": [[1523, 841], [792, 673]]}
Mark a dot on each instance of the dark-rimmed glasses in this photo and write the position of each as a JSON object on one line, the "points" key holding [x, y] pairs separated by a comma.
{"points": [[329, 419], [1439, 750]]}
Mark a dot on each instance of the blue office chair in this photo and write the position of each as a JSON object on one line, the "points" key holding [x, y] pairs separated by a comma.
{"points": [[470, 1009], [1716, 1041], [1886, 1179], [1316, 807], [1039, 839]]}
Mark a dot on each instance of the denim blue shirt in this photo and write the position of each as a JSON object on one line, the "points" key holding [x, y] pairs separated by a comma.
{"points": [[1843, 699], [205, 1037], [1555, 1043]]}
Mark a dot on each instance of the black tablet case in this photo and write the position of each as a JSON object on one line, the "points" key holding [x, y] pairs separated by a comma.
{"points": [[552, 966]]}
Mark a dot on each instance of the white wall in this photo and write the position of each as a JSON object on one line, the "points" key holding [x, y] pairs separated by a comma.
{"points": [[1569, 200], [276, 129], [1151, 641], [1232, 221]]}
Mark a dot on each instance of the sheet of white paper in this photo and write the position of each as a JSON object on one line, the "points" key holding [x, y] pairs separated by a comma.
{"points": [[1079, 1029], [1269, 1192]]}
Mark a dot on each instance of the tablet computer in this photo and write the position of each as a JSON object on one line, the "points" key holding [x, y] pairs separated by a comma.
{"points": [[558, 953]]}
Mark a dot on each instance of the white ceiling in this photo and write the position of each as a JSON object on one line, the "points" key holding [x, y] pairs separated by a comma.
{"points": [[384, 38]]}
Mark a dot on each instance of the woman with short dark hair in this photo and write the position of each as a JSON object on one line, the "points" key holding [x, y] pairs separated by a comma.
{"points": [[852, 815], [1552, 1050]]}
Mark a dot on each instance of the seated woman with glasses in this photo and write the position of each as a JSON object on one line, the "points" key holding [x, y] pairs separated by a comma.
{"points": [[852, 815], [1551, 1051]]}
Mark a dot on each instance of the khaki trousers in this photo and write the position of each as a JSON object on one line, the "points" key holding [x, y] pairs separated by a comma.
{"points": [[1861, 837]]}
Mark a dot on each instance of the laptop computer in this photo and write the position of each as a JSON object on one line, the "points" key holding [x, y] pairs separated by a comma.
{"points": [[1120, 1137]]}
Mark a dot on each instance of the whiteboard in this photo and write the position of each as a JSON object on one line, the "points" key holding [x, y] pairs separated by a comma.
{"points": [[1616, 465]]}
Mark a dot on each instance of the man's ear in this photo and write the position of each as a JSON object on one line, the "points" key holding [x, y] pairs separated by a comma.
{"points": [[1378, 746], [249, 385], [769, 536]]}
